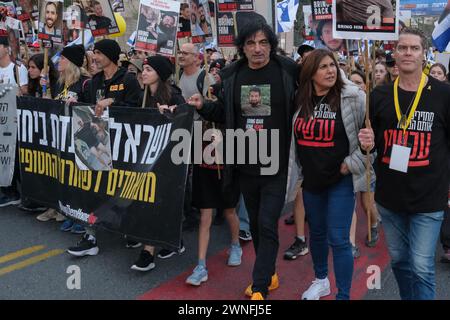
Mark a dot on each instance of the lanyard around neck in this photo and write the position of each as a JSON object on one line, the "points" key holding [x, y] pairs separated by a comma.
{"points": [[405, 120]]}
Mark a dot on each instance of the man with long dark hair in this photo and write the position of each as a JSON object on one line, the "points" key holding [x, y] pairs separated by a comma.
{"points": [[263, 188]]}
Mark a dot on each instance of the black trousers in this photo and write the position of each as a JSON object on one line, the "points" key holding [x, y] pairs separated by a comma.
{"points": [[445, 230], [264, 198]]}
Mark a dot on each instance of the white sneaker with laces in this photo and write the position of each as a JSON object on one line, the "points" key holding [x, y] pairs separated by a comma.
{"points": [[319, 288]]}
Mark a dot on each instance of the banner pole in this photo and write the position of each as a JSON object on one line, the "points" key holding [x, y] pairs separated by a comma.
{"points": [[368, 125], [144, 102], [44, 88]]}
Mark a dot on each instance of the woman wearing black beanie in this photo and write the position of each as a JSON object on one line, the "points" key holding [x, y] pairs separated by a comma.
{"points": [[72, 84]]}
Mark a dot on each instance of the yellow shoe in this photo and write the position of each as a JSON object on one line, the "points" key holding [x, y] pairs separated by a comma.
{"points": [[257, 296], [274, 284]]}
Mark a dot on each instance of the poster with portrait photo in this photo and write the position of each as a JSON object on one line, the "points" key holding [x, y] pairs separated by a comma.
{"points": [[100, 17], [321, 10], [308, 32], [91, 139], [200, 21], [27, 9], [51, 21], [75, 20], [255, 100], [184, 21], [14, 44], [158, 26], [366, 19], [225, 30], [233, 5]]}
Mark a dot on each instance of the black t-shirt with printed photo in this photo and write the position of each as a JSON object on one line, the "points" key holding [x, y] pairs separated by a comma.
{"points": [[269, 114], [425, 185], [322, 145]]}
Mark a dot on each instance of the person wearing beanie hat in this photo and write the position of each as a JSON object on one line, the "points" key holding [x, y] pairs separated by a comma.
{"points": [[74, 54], [109, 48], [156, 73]]}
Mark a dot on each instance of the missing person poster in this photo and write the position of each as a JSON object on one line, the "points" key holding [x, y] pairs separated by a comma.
{"points": [[225, 29], [366, 19], [27, 9], [321, 10], [184, 22], [233, 6], [51, 21], [101, 17], [308, 33], [200, 20], [158, 26]]}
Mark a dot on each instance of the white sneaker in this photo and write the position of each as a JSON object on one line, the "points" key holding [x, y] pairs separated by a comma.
{"points": [[318, 289]]}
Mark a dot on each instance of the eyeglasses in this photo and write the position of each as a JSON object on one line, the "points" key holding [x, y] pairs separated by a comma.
{"points": [[403, 49]]}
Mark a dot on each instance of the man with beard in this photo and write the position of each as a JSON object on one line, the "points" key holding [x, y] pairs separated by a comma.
{"points": [[204, 25], [184, 22], [98, 20], [167, 29], [255, 106], [51, 16]]}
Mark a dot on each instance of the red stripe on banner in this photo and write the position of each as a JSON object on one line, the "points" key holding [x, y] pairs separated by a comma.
{"points": [[315, 144], [229, 283]]}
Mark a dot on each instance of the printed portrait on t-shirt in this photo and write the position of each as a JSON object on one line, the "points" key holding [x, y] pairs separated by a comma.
{"points": [[255, 100]]}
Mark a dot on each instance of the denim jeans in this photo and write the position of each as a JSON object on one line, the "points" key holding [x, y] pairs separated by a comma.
{"points": [[412, 240], [244, 222], [329, 215], [264, 198]]}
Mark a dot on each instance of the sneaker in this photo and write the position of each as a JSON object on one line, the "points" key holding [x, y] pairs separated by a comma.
{"points": [[60, 217], [374, 240], [166, 254], [355, 252], [145, 262], [199, 275], [257, 296], [47, 215], [78, 229], [66, 225], [318, 289], [9, 200], [245, 235], [289, 220], [22, 207], [131, 244], [446, 256], [274, 284], [87, 246], [298, 248], [234, 259]]}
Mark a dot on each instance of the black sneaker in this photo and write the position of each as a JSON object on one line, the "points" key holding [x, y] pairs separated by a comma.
{"points": [[374, 240], [245, 235], [289, 220], [298, 248], [145, 262], [9, 200], [131, 244], [165, 253], [85, 247], [31, 208]]}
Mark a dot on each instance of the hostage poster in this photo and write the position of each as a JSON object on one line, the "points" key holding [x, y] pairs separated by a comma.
{"points": [[225, 29], [142, 196], [233, 6], [158, 26]]}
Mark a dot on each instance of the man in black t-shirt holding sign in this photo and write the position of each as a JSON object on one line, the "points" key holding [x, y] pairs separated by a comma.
{"points": [[410, 121], [262, 184]]}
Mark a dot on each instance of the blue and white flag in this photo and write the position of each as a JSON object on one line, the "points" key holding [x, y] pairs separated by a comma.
{"points": [[441, 33], [286, 15], [132, 39]]}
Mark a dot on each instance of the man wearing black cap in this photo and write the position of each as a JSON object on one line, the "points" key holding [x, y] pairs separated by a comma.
{"points": [[391, 67], [113, 85]]}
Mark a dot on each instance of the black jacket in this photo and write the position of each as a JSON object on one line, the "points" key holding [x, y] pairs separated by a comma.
{"points": [[222, 110], [175, 99], [123, 88], [80, 88]]}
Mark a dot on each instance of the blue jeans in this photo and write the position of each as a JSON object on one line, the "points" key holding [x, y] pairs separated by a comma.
{"points": [[244, 222], [412, 240], [329, 215]]}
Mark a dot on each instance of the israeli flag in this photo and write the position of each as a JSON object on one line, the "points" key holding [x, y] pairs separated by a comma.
{"points": [[441, 33], [286, 15], [132, 40]]}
